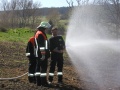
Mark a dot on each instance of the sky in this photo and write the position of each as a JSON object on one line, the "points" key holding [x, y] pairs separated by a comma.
{"points": [[54, 3]]}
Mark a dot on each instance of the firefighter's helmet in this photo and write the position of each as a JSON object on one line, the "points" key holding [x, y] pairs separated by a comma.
{"points": [[44, 25]]}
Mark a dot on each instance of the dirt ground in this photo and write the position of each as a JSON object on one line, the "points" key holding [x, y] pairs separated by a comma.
{"points": [[13, 64]]}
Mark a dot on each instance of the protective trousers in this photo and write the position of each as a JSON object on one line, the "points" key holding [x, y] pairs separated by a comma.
{"points": [[41, 72], [31, 70], [56, 60]]}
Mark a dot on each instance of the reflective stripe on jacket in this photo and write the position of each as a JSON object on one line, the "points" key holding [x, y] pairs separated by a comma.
{"points": [[42, 45]]}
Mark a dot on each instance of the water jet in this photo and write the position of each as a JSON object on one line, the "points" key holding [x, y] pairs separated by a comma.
{"points": [[93, 50]]}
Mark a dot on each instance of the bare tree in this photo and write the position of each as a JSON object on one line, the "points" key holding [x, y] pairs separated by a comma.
{"points": [[70, 3], [4, 17], [32, 11], [4, 5], [29, 9], [54, 16], [13, 5], [112, 8], [19, 13], [79, 2]]}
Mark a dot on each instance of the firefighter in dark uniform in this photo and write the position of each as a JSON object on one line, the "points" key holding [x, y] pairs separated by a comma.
{"points": [[32, 60], [42, 54], [57, 46]]}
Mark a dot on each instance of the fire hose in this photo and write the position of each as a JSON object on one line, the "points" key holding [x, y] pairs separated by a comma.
{"points": [[14, 77]]}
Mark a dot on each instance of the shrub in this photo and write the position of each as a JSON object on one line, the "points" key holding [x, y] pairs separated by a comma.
{"points": [[2, 29]]}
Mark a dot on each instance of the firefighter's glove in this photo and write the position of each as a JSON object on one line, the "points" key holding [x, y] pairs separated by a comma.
{"points": [[27, 54], [43, 57]]}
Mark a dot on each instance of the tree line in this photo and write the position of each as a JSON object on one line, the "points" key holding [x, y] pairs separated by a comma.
{"points": [[108, 12], [26, 13]]}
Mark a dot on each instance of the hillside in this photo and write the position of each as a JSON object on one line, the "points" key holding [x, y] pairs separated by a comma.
{"points": [[13, 63]]}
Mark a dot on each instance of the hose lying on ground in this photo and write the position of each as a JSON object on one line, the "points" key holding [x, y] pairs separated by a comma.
{"points": [[14, 77]]}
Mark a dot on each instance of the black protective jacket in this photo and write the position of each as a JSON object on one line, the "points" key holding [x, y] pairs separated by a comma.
{"points": [[30, 48], [56, 42], [41, 42]]}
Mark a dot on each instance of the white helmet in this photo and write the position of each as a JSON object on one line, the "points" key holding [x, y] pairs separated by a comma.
{"points": [[44, 25]]}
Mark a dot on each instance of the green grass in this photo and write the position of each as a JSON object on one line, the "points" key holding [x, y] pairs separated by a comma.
{"points": [[17, 35], [23, 34]]}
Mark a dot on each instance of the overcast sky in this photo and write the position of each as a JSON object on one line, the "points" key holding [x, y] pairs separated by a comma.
{"points": [[54, 3]]}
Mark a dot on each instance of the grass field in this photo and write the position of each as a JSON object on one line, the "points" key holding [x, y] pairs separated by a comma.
{"points": [[17, 35]]}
